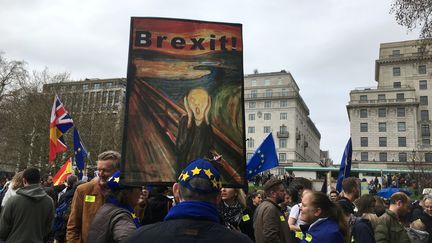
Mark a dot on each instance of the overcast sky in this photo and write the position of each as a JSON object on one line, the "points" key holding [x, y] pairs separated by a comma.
{"points": [[329, 46]]}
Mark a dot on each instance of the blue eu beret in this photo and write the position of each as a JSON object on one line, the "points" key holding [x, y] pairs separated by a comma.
{"points": [[200, 168]]}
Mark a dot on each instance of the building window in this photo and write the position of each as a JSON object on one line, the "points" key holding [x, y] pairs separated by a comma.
{"points": [[428, 157], [85, 86], [403, 157], [267, 129], [382, 127], [253, 83], [424, 115], [267, 116], [108, 85], [395, 53], [251, 129], [267, 104], [254, 93], [396, 71], [268, 93], [424, 100], [400, 96], [422, 69], [363, 141], [284, 103], [282, 156], [283, 116], [363, 113], [364, 156], [401, 126], [401, 112], [426, 141], [267, 82], [363, 98], [383, 157], [402, 141], [423, 84], [249, 156], [363, 127], [96, 86], [282, 143], [252, 104], [382, 112], [251, 117], [250, 143], [425, 130], [397, 85], [284, 92], [283, 129], [381, 97], [383, 141]]}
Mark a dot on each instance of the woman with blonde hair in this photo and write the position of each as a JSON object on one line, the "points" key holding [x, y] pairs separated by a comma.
{"points": [[15, 184], [234, 211]]}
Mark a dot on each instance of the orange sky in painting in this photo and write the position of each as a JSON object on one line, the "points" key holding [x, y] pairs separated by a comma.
{"points": [[168, 70], [187, 30]]}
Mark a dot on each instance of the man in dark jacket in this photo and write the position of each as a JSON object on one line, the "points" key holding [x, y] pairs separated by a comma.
{"points": [[270, 223], [195, 218], [27, 216], [389, 228], [426, 215]]}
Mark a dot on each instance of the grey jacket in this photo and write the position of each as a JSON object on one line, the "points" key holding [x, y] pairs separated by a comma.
{"points": [[27, 216], [110, 224]]}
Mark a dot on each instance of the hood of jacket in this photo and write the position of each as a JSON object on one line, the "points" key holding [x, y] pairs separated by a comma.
{"points": [[34, 191]]}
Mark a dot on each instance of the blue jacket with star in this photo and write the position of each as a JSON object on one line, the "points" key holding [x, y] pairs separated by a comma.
{"points": [[324, 230]]}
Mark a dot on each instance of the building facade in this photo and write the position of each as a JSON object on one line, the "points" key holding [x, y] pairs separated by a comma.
{"points": [[273, 104], [390, 123]]}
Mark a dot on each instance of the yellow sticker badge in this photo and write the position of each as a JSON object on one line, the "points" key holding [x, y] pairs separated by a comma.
{"points": [[308, 237], [246, 217], [90, 198], [282, 218], [299, 234]]}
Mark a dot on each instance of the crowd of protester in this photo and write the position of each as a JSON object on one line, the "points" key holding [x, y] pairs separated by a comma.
{"points": [[198, 209]]}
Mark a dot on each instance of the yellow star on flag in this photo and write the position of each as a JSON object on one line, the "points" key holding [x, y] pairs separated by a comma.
{"points": [[208, 173], [185, 176], [215, 184], [117, 179], [196, 171], [180, 176]]}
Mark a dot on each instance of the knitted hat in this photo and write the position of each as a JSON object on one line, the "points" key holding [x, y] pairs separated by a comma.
{"points": [[200, 168], [113, 182]]}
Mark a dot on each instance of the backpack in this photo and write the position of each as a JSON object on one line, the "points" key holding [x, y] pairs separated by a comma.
{"points": [[60, 216]]}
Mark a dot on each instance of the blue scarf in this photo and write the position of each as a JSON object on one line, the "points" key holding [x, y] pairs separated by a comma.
{"points": [[114, 201], [194, 210]]}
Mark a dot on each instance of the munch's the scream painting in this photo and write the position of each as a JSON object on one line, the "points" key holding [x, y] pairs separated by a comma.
{"points": [[184, 100]]}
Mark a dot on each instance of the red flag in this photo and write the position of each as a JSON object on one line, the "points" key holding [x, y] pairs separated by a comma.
{"points": [[61, 121], [63, 173]]}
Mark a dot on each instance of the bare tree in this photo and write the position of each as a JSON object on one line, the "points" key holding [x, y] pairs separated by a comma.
{"points": [[12, 75], [414, 14]]}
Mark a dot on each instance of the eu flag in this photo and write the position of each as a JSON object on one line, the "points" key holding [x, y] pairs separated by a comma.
{"points": [[80, 153], [345, 166], [263, 159]]}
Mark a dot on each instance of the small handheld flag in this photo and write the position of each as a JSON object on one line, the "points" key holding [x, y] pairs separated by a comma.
{"points": [[80, 153], [345, 166], [63, 173], [60, 122], [263, 159]]}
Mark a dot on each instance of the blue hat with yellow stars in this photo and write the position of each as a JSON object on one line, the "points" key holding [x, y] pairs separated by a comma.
{"points": [[200, 168], [113, 182]]}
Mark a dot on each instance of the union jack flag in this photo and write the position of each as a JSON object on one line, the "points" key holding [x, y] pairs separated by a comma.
{"points": [[60, 122]]}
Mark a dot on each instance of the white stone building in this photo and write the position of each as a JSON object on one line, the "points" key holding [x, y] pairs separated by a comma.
{"points": [[390, 123], [273, 104]]}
